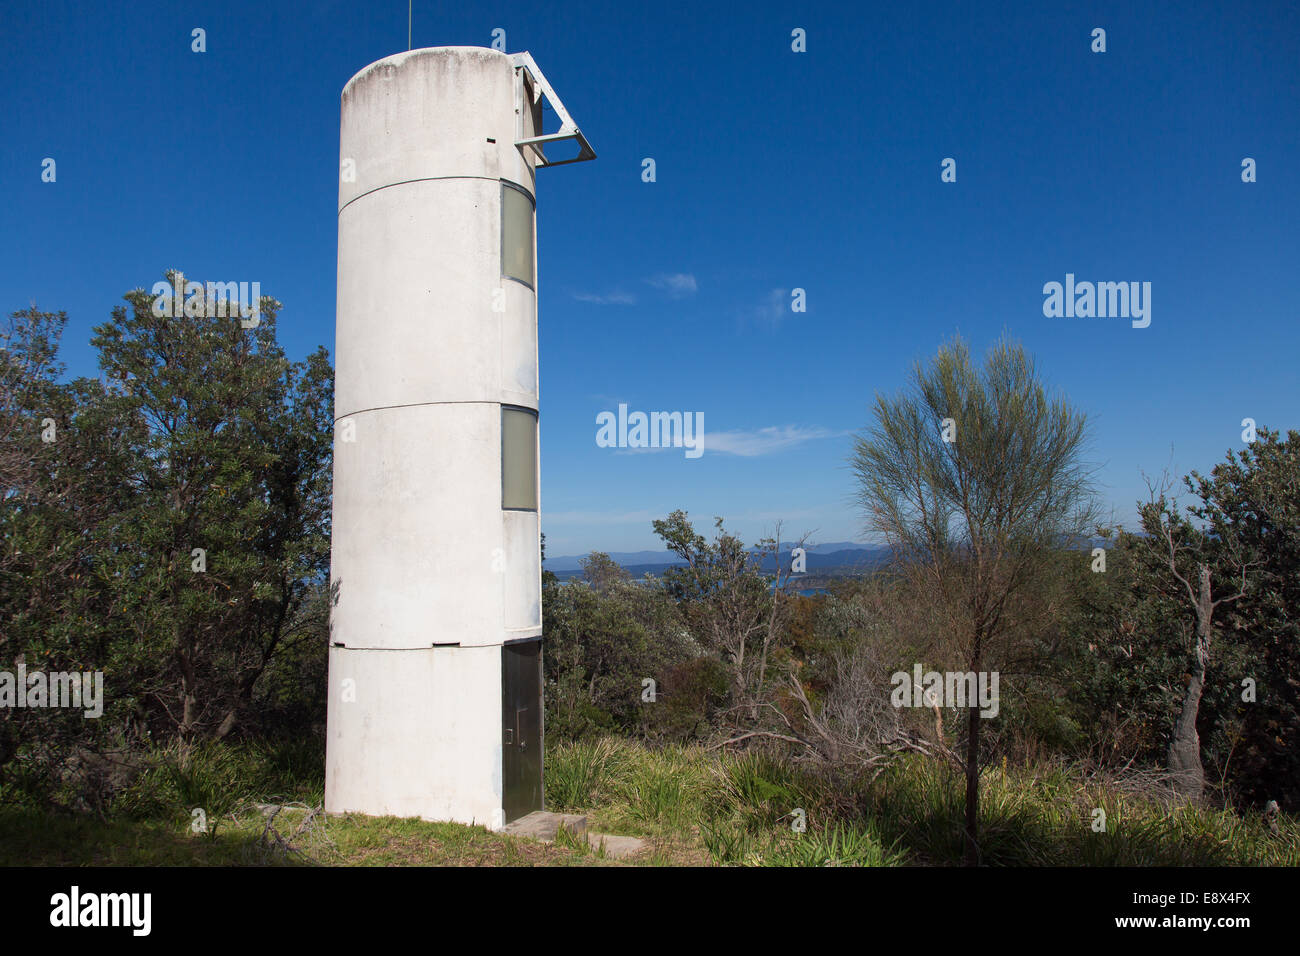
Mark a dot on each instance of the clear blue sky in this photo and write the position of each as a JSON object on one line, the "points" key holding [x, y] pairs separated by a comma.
{"points": [[775, 170]]}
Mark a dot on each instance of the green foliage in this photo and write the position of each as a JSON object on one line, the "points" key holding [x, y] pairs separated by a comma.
{"points": [[975, 477], [576, 772], [1005, 479], [691, 694], [837, 845], [604, 637], [1044, 815], [764, 788], [200, 434], [61, 488], [1256, 491], [234, 460], [737, 614], [219, 779], [1105, 678], [694, 805], [1244, 525], [654, 791], [721, 591]]}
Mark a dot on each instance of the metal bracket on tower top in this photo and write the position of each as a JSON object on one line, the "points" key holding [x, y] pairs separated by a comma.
{"points": [[523, 63]]}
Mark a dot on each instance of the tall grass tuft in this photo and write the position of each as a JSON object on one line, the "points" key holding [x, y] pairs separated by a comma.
{"points": [[840, 844], [577, 773]]}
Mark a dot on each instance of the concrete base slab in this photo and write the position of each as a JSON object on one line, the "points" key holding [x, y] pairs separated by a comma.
{"points": [[615, 847], [543, 826]]}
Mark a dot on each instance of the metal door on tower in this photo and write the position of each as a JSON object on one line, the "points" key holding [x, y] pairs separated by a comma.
{"points": [[521, 728]]}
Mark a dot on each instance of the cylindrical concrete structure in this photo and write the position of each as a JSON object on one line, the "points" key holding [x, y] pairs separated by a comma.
{"points": [[435, 554]]}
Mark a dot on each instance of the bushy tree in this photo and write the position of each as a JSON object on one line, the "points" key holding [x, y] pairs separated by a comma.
{"points": [[1257, 491], [972, 477], [229, 522], [732, 609], [605, 636], [61, 463], [166, 523], [1231, 561]]}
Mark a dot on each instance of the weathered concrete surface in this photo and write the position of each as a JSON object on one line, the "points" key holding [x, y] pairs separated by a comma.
{"points": [[543, 826], [431, 574], [443, 703], [616, 847]]}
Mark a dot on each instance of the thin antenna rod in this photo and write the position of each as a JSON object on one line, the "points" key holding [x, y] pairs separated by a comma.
{"points": [[408, 24]]}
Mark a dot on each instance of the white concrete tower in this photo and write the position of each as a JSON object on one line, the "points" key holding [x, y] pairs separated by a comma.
{"points": [[435, 630]]}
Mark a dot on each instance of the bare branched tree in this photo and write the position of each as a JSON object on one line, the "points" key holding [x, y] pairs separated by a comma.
{"points": [[732, 607], [1183, 548]]}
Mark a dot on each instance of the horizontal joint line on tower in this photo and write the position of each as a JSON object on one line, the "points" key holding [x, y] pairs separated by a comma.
{"points": [[425, 179], [380, 408]]}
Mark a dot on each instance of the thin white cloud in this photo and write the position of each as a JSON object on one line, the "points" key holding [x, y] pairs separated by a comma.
{"points": [[764, 441], [774, 308], [678, 285], [614, 298]]}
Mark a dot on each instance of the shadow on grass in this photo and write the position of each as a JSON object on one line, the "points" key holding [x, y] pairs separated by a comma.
{"points": [[35, 838]]}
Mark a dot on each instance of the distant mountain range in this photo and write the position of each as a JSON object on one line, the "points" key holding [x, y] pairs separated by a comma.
{"points": [[836, 559], [839, 557]]}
